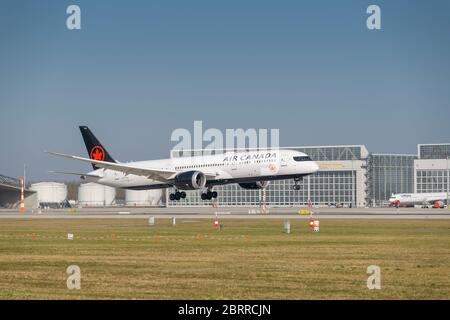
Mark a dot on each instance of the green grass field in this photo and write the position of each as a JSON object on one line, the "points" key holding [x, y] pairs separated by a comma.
{"points": [[248, 259]]}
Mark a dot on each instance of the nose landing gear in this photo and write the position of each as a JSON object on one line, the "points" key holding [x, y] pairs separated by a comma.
{"points": [[296, 185]]}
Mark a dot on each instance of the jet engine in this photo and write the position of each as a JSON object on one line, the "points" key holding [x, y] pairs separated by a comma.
{"points": [[254, 185], [439, 204], [190, 180]]}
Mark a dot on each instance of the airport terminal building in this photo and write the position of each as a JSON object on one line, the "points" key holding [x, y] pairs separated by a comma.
{"points": [[349, 175]]}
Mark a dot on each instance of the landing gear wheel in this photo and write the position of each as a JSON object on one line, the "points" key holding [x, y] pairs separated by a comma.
{"points": [[177, 195], [214, 194], [182, 194], [296, 186], [204, 196]]}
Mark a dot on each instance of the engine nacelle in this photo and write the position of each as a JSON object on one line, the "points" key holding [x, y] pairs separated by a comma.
{"points": [[439, 204], [254, 185], [190, 180]]}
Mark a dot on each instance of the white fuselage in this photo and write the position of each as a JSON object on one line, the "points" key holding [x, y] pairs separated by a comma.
{"points": [[411, 199], [226, 168]]}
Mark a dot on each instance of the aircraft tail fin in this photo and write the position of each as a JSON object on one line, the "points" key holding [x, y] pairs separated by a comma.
{"points": [[94, 148]]}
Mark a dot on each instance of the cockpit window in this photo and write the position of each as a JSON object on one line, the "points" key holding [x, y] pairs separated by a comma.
{"points": [[302, 158]]}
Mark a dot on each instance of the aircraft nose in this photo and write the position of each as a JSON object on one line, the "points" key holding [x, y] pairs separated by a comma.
{"points": [[315, 167]]}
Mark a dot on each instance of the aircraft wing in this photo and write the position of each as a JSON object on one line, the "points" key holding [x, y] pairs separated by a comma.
{"points": [[77, 174], [156, 174]]}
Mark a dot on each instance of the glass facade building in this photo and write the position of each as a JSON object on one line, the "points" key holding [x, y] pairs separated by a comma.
{"points": [[322, 188], [434, 151], [432, 181], [332, 153], [432, 169], [388, 174], [337, 182]]}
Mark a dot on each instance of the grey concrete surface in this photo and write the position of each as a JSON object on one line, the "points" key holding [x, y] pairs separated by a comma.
{"points": [[229, 213]]}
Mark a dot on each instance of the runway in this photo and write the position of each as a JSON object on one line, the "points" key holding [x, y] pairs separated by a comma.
{"points": [[226, 213]]}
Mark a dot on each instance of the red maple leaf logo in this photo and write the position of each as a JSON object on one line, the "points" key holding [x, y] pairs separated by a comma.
{"points": [[97, 153]]}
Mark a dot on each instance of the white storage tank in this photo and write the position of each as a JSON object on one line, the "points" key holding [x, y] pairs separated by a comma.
{"points": [[143, 197], [50, 194], [95, 195]]}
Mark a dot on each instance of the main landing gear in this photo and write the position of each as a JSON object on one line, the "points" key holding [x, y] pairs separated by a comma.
{"points": [[296, 185], [177, 195], [209, 195]]}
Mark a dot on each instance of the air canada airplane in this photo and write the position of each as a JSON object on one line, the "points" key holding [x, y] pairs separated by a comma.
{"points": [[249, 169]]}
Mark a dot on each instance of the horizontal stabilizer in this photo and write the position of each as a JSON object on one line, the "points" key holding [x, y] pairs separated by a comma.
{"points": [[156, 174]]}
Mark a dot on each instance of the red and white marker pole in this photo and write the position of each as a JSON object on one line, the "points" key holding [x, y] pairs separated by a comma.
{"points": [[216, 222], [22, 197], [311, 222]]}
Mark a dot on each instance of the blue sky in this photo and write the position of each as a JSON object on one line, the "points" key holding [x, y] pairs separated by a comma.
{"points": [[137, 70]]}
